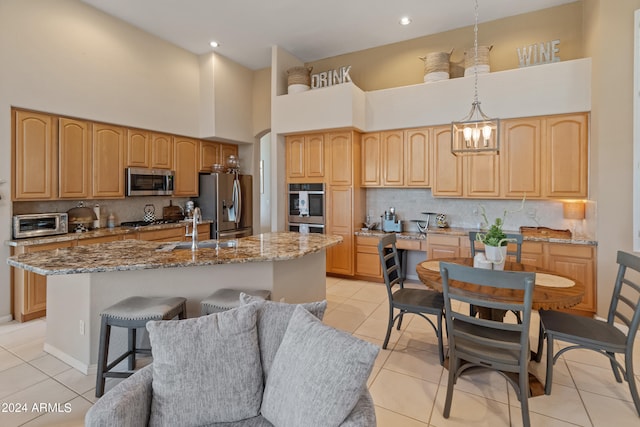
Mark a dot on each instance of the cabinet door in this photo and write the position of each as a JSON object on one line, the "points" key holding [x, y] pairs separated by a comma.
{"points": [[74, 140], [187, 166], [417, 169], [340, 146], [482, 175], [108, 161], [209, 155], [226, 150], [566, 156], [35, 159], [295, 156], [314, 156], [392, 145], [532, 254], [339, 222], [161, 151], [371, 160], [520, 152], [138, 149], [576, 262], [447, 168]]}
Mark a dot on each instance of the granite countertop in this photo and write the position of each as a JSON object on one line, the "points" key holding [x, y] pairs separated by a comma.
{"points": [[123, 255], [99, 232], [458, 231]]}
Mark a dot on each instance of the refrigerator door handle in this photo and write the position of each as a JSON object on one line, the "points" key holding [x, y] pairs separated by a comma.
{"points": [[237, 200]]}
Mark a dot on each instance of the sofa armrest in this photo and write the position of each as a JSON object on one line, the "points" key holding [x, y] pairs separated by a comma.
{"points": [[128, 404], [363, 414]]}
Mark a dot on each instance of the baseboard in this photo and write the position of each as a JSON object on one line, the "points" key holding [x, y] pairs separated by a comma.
{"points": [[74, 363], [6, 319]]}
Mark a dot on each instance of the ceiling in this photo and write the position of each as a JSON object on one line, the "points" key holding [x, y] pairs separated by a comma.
{"points": [[247, 29]]}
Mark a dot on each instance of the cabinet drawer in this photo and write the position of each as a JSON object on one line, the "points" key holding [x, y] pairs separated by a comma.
{"points": [[172, 234], [532, 247], [577, 251], [412, 245], [438, 239], [367, 241], [94, 240]]}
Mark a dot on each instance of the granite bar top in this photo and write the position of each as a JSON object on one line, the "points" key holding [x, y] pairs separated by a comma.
{"points": [[99, 232], [458, 231], [126, 255]]}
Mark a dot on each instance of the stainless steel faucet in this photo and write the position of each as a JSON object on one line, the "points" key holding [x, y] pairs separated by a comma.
{"points": [[197, 218]]}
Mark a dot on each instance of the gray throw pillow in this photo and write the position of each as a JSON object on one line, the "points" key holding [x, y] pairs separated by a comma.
{"points": [[273, 319], [206, 369], [317, 376]]}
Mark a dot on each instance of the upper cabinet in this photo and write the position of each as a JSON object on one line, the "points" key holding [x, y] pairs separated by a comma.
{"points": [[521, 153], [447, 168], [397, 158], [161, 151], [305, 158], [138, 149], [342, 170], [565, 158], [227, 150], [108, 161], [209, 155], [187, 165], [74, 140], [35, 160]]}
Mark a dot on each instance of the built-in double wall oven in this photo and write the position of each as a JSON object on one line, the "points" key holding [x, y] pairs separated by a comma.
{"points": [[306, 208]]}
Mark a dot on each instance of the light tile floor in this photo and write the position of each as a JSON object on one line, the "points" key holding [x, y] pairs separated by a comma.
{"points": [[407, 382]]}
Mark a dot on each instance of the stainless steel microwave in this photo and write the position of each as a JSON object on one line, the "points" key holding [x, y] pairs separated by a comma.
{"points": [[149, 182], [42, 224]]}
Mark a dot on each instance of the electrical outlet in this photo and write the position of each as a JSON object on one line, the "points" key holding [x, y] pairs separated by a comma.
{"points": [[82, 327]]}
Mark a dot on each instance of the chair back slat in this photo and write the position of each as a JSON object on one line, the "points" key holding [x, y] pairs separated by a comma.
{"points": [[390, 263], [625, 300]]}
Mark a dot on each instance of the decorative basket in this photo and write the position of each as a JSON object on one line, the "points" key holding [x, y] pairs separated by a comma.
{"points": [[436, 66], [299, 79], [482, 65]]}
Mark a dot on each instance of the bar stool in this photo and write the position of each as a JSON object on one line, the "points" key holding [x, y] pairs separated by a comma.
{"points": [[132, 313], [226, 299]]}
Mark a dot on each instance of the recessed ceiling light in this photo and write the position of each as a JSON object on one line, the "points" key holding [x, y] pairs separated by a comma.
{"points": [[214, 43], [405, 20]]}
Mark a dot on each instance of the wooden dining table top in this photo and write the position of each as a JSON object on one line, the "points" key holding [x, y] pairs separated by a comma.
{"points": [[546, 297]]}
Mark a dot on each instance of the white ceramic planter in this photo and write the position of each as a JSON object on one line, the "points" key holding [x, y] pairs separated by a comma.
{"points": [[497, 255]]}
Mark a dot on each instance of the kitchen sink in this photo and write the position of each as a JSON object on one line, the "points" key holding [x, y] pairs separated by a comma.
{"points": [[203, 244]]}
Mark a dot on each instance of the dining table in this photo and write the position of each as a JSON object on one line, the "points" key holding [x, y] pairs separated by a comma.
{"points": [[552, 291]]}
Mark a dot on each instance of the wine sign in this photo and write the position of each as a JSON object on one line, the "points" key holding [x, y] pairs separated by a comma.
{"points": [[539, 53], [331, 77]]}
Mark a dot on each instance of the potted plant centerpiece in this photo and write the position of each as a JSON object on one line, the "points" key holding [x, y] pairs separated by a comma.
{"points": [[494, 239]]}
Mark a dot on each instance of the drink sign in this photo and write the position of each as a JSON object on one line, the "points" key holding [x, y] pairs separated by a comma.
{"points": [[539, 53], [331, 77]]}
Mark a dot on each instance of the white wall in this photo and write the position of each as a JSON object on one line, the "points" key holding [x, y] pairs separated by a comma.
{"points": [[65, 57]]}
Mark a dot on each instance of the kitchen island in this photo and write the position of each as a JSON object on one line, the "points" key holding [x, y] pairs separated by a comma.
{"points": [[84, 280]]}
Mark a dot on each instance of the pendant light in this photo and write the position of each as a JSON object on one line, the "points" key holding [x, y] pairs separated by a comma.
{"points": [[476, 133]]}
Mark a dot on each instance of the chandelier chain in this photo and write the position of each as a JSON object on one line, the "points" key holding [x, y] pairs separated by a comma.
{"points": [[475, 57]]}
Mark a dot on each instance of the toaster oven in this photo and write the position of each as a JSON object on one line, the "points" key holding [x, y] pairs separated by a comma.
{"points": [[42, 224]]}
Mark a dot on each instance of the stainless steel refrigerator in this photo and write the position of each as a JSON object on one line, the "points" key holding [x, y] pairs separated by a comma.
{"points": [[225, 199]]}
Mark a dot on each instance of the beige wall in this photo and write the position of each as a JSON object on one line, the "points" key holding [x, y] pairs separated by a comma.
{"points": [[261, 101], [398, 64], [609, 41]]}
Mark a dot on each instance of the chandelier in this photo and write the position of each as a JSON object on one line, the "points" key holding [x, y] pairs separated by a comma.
{"points": [[476, 133]]}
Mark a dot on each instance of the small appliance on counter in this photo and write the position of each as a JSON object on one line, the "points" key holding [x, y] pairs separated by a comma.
{"points": [[81, 218], [390, 222], [41, 224]]}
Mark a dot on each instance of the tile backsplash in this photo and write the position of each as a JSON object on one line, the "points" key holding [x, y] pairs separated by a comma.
{"points": [[127, 209], [410, 203]]}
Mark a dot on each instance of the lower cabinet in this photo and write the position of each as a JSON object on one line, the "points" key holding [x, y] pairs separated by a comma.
{"points": [[368, 260], [175, 234]]}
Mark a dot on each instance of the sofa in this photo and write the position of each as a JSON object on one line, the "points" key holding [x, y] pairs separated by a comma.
{"points": [[264, 363]]}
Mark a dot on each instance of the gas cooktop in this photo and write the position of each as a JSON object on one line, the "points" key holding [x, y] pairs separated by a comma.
{"points": [[133, 224]]}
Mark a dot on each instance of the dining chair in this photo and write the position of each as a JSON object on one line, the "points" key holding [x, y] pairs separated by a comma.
{"points": [[407, 300], [605, 337], [476, 343], [513, 238]]}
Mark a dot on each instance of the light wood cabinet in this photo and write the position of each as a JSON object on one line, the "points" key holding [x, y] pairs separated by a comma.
{"points": [[417, 169], [565, 158], [209, 155], [187, 164], [392, 151], [367, 258], [138, 149], [371, 163], [227, 150], [482, 176], [30, 289], [174, 234], [305, 158], [521, 154], [101, 239], [161, 151], [34, 155], [342, 168], [440, 246], [447, 168], [340, 259], [108, 161], [74, 141]]}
